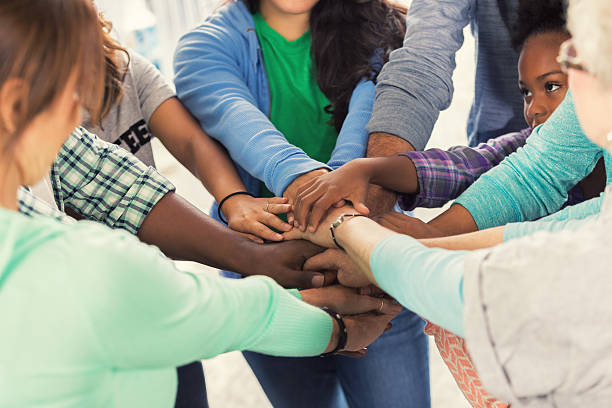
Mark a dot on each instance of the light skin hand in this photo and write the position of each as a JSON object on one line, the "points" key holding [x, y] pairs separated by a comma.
{"points": [[248, 215], [322, 235], [337, 260]]}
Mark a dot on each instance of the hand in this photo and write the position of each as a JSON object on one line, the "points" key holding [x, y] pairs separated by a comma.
{"points": [[315, 197], [283, 262], [407, 225], [362, 330], [322, 235], [292, 189], [248, 215], [349, 301], [348, 274]]}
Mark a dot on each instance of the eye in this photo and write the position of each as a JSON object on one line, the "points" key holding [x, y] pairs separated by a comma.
{"points": [[526, 93], [552, 87]]}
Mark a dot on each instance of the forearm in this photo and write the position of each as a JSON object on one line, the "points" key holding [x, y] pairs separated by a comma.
{"points": [[183, 232], [381, 200], [470, 241], [204, 157], [454, 221]]}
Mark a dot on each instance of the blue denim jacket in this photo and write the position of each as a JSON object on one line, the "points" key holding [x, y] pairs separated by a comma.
{"points": [[221, 78]]}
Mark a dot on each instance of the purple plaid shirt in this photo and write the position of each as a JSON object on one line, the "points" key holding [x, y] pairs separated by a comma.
{"points": [[444, 174]]}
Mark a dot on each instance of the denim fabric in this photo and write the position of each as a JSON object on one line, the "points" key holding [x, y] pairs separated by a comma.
{"points": [[394, 373]]}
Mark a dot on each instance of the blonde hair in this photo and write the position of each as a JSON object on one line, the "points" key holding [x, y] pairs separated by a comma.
{"points": [[590, 22]]}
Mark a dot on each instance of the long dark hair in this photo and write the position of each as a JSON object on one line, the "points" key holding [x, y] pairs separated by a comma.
{"points": [[351, 40]]}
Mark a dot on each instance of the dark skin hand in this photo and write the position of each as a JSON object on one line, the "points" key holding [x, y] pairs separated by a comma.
{"points": [[183, 232], [351, 183]]}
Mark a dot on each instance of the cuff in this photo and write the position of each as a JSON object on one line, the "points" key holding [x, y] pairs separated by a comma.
{"points": [[305, 330]]}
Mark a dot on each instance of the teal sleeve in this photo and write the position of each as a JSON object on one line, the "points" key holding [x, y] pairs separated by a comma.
{"points": [[147, 313], [570, 218], [533, 182], [427, 281]]}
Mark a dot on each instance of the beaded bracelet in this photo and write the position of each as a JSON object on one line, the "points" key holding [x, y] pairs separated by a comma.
{"points": [[343, 333], [227, 198], [339, 221]]}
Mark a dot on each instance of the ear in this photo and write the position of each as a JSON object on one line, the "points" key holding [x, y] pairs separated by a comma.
{"points": [[13, 103]]}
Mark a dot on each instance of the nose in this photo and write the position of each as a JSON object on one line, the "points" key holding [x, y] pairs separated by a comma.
{"points": [[537, 112]]}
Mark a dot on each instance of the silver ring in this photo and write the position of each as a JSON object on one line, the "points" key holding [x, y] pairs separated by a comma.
{"points": [[267, 206], [382, 304]]}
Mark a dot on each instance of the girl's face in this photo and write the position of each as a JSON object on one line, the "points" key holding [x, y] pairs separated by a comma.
{"points": [[593, 102], [541, 80], [41, 140], [290, 6]]}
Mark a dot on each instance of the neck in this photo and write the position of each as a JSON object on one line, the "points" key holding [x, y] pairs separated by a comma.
{"points": [[10, 183], [290, 26]]}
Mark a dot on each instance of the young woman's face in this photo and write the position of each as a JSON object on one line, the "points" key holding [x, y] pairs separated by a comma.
{"points": [[43, 137], [541, 80], [291, 6]]}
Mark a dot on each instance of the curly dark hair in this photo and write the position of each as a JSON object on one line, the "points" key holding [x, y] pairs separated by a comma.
{"points": [[538, 17], [351, 40]]}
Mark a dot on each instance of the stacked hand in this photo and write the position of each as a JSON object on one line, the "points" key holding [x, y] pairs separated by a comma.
{"points": [[253, 217], [316, 196]]}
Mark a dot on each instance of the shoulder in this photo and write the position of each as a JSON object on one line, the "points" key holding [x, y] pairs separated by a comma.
{"points": [[229, 24]]}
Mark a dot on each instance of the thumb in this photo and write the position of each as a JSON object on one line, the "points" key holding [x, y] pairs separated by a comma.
{"points": [[358, 199], [326, 260]]}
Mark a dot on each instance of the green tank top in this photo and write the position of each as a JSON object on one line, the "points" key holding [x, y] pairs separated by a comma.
{"points": [[297, 104]]}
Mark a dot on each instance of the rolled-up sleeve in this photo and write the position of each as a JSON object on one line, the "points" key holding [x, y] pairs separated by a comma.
{"points": [[103, 182], [416, 83]]}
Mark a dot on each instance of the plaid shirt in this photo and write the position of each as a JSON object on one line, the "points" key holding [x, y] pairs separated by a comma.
{"points": [[444, 174], [101, 182]]}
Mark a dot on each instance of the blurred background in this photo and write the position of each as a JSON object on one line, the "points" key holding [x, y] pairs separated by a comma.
{"points": [[152, 28]]}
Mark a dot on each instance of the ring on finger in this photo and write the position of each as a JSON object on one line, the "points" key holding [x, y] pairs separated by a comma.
{"points": [[382, 304], [267, 207]]}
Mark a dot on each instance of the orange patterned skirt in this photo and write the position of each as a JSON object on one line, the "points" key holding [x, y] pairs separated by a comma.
{"points": [[455, 355]]}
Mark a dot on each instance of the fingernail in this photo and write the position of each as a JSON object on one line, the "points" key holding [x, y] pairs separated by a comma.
{"points": [[311, 228], [278, 237], [318, 280]]}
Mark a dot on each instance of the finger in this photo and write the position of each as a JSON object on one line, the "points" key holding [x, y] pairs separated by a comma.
{"points": [[307, 280], [330, 277], [277, 200], [252, 237], [264, 232], [378, 305], [319, 209], [291, 217], [278, 208], [304, 204], [371, 290], [326, 260], [274, 222], [293, 234]]}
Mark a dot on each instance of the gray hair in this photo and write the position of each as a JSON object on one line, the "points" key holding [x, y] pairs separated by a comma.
{"points": [[590, 22]]}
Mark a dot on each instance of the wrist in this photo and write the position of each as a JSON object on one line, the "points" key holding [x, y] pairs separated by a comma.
{"points": [[334, 338], [351, 226]]}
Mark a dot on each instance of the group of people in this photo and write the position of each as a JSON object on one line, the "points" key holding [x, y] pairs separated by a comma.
{"points": [[307, 121]]}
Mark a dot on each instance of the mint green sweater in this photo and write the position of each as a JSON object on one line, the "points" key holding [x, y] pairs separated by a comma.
{"points": [[91, 317]]}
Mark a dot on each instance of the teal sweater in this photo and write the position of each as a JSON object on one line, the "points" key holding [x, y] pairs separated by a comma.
{"points": [[93, 318], [533, 182]]}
